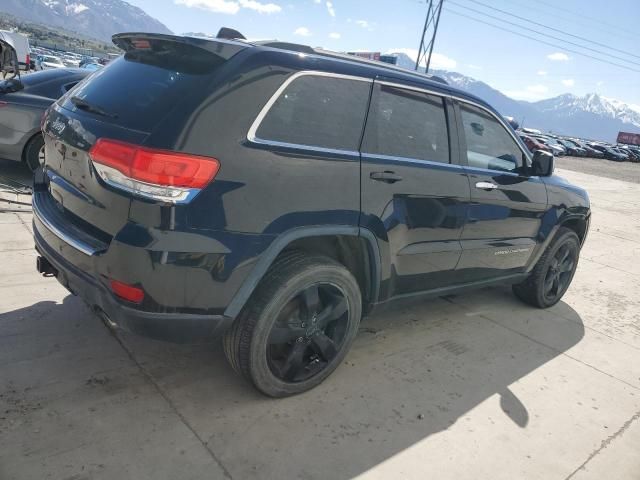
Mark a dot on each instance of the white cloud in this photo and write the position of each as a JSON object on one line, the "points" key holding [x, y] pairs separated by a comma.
{"points": [[531, 92], [260, 7], [599, 83], [542, 72], [230, 7], [363, 23], [317, 1], [331, 10], [334, 35], [569, 82], [438, 60], [558, 57], [217, 6], [302, 32]]}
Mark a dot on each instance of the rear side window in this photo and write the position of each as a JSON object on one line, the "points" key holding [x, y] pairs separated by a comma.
{"points": [[318, 111], [489, 145], [409, 124], [141, 87]]}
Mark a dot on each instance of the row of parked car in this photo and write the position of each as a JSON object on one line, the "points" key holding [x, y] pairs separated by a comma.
{"points": [[45, 59], [575, 147]]}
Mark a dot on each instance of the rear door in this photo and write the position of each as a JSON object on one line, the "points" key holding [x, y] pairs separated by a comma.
{"points": [[507, 205], [413, 196]]}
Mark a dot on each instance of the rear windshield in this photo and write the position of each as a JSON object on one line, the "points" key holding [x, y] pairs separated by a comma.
{"points": [[140, 88]]}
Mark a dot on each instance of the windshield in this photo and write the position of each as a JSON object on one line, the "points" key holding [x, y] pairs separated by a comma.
{"points": [[52, 60]]}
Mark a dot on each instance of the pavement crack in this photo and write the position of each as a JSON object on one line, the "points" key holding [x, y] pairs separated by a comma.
{"points": [[170, 402], [605, 443]]}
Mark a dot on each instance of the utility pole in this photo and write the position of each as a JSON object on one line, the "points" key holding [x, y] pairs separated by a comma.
{"points": [[429, 32]]}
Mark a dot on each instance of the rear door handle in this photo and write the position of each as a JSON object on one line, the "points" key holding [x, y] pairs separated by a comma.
{"points": [[486, 186], [386, 176]]}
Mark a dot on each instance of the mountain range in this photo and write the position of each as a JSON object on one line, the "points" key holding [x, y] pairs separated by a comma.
{"points": [[97, 19], [590, 116]]}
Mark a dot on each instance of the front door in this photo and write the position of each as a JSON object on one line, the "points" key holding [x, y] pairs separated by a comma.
{"points": [[413, 197], [507, 205]]}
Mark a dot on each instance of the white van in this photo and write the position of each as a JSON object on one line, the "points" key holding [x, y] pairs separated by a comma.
{"points": [[21, 43]]}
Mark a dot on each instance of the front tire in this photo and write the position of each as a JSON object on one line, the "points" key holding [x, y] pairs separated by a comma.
{"points": [[34, 153], [298, 325], [553, 273]]}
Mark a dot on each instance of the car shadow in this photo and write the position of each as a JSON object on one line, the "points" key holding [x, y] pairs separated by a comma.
{"points": [[415, 370]]}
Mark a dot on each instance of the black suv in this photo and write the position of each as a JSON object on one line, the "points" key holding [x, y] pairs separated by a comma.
{"points": [[275, 194]]}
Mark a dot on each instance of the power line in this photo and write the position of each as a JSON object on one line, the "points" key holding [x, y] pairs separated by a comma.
{"points": [[626, 67], [543, 33], [551, 28], [592, 19], [594, 26]]}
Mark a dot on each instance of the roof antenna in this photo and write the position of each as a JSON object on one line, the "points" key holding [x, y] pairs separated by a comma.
{"points": [[230, 34]]}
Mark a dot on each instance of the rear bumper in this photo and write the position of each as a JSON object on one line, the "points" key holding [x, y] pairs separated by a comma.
{"points": [[172, 327]]}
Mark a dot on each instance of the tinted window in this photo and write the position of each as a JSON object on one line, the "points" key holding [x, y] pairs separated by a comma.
{"points": [[489, 145], [318, 111], [141, 87], [404, 123]]}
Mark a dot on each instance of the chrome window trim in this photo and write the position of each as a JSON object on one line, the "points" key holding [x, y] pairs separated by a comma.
{"points": [[377, 156], [252, 137]]}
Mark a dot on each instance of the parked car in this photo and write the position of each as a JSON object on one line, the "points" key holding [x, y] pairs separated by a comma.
{"points": [[572, 149], [23, 103], [534, 144], [553, 142], [21, 44], [555, 148], [589, 151], [186, 193], [610, 153], [48, 62]]}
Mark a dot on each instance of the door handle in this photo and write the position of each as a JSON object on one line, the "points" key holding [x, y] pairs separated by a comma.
{"points": [[486, 186], [386, 176]]}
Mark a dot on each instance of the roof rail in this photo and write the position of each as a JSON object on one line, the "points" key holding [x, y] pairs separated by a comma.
{"points": [[295, 47]]}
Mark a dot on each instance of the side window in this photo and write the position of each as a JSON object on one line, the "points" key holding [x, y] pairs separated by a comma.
{"points": [[318, 111], [489, 145], [405, 123]]}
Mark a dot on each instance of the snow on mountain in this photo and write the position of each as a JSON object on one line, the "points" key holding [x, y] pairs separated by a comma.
{"points": [[92, 18], [590, 116]]}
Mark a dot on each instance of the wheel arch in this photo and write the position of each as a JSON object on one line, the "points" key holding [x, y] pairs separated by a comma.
{"points": [[366, 269]]}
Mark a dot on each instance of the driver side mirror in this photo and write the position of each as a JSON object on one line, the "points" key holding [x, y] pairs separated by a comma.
{"points": [[542, 164]]}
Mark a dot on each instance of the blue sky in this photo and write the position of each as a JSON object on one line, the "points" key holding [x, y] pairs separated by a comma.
{"points": [[520, 67]]}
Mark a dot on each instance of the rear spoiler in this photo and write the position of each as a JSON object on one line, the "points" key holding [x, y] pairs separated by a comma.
{"points": [[135, 41]]}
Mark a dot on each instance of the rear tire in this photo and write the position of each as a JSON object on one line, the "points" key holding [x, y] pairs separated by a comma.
{"points": [[298, 325], [34, 152], [553, 273]]}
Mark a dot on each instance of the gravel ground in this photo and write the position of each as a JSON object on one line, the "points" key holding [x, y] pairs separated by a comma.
{"points": [[626, 171]]}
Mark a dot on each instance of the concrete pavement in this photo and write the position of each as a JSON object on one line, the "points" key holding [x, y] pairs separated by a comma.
{"points": [[472, 386]]}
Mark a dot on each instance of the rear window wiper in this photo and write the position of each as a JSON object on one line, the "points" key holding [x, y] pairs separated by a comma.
{"points": [[86, 106]]}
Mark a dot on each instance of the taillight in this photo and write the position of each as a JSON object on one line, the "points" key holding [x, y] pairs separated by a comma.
{"points": [[127, 292], [157, 174], [28, 61]]}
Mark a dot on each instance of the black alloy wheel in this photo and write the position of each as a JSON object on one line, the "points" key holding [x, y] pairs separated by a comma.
{"points": [[308, 333], [298, 325], [552, 275], [559, 272]]}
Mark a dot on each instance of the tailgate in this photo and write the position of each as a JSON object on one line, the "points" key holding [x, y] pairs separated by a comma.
{"points": [[70, 179]]}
